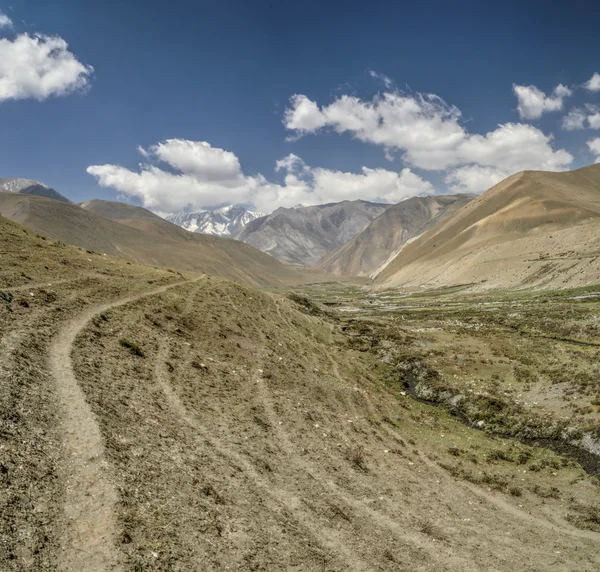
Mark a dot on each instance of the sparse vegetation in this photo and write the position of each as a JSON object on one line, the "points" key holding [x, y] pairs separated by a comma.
{"points": [[356, 455], [429, 528], [134, 348], [253, 435]]}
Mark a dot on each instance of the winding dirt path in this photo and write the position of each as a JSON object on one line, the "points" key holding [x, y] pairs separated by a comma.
{"points": [[90, 528], [361, 506], [329, 539]]}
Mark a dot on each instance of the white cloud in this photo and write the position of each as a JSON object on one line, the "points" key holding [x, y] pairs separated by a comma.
{"points": [[574, 120], [593, 84], [594, 146], [474, 179], [371, 184], [580, 118], [514, 147], [533, 102], [38, 67], [5, 21], [207, 176], [291, 163], [429, 134], [199, 159], [382, 77], [422, 125], [306, 115], [594, 120]]}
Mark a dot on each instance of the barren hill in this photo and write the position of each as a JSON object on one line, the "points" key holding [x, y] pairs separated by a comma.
{"points": [[535, 228], [147, 239], [152, 421], [115, 210], [389, 232], [303, 235]]}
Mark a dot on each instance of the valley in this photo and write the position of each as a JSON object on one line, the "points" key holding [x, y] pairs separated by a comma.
{"points": [[515, 364], [164, 420], [299, 286]]}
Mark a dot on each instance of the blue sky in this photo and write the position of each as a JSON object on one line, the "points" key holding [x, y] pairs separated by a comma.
{"points": [[206, 90]]}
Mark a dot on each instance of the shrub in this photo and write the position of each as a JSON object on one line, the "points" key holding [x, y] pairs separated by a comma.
{"points": [[132, 347], [356, 455], [430, 529]]}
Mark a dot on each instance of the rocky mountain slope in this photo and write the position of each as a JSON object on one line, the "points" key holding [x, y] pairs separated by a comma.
{"points": [[534, 229], [146, 238], [225, 221], [30, 187], [303, 235], [389, 232]]}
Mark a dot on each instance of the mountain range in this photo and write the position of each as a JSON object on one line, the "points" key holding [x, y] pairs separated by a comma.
{"points": [[30, 187], [225, 221], [303, 235], [534, 228], [124, 230], [389, 232]]}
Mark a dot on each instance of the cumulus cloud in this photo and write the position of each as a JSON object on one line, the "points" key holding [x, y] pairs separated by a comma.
{"points": [[574, 120], [594, 146], [371, 184], [474, 178], [291, 163], [594, 120], [593, 84], [5, 21], [182, 174], [422, 125], [38, 67], [582, 118], [205, 176], [429, 134], [533, 102]]}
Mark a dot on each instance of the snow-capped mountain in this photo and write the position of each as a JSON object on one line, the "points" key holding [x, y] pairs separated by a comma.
{"points": [[219, 222], [29, 187]]}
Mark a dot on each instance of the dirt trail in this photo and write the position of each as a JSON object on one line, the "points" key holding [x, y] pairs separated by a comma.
{"points": [[329, 539], [361, 506], [512, 510], [90, 529]]}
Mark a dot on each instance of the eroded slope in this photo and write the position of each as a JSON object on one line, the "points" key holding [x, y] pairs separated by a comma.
{"points": [[534, 229], [389, 232]]}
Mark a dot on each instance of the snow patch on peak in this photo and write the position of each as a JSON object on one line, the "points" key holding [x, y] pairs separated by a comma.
{"points": [[223, 221], [15, 185]]}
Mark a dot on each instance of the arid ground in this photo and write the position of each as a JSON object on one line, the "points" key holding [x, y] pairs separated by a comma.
{"points": [[152, 420]]}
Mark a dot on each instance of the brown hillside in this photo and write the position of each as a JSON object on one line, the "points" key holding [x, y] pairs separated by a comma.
{"points": [[389, 232], [115, 210], [533, 229], [150, 241]]}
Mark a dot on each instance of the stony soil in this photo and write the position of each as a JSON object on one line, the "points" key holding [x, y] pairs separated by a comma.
{"points": [[233, 429]]}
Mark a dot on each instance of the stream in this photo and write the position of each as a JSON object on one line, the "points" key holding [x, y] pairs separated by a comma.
{"points": [[589, 462]]}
